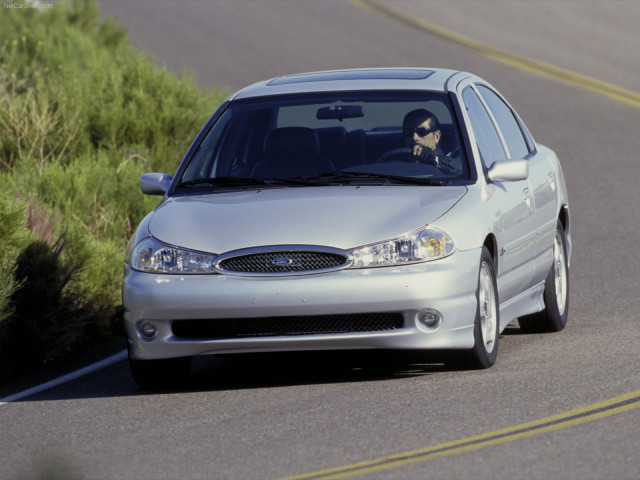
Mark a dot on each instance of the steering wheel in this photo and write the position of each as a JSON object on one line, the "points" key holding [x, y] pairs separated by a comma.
{"points": [[402, 154]]}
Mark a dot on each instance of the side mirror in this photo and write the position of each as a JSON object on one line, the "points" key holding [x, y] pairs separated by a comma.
{"points": [[155, 183], [509, 171]]}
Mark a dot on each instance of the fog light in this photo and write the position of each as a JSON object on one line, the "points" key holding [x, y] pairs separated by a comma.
{"points": [[429, 319], [148, 330]]}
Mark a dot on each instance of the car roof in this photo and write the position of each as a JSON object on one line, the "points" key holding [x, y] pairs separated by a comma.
{"points": [[431, 79]]}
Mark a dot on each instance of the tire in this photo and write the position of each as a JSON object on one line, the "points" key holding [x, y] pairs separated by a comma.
{"points": [[166, 373], [556, 292], [486, 330]]}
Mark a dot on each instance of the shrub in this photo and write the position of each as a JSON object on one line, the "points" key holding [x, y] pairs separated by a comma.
{"points": [[14, 236], [82, 116], [49, 326]]}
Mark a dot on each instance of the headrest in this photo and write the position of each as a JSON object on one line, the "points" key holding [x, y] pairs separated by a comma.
{"points": [[291, 142]]}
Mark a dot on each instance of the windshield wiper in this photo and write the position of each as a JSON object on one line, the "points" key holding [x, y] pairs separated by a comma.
{"points": [[242, 181], [320, 180], [219, 181], [345, 176]]}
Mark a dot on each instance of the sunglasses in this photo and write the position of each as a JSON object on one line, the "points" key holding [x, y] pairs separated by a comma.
{"points": [[420, 131]]}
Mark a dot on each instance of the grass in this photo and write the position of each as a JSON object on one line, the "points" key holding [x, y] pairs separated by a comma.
{"points": [[82, 116]]}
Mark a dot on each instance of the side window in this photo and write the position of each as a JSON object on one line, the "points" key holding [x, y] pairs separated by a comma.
{"points": [[487, 137], [506, 122]]}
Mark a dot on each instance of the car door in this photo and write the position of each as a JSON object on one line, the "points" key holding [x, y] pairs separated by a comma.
{"points": [[542, 176], [513, 203]]}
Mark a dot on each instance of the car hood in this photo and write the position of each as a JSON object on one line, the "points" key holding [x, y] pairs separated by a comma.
{"points": [[341, 217]]}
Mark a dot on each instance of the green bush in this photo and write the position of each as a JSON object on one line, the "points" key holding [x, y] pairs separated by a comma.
{"points": [[47, 321], [71, 85], [14, 236], [82, 116]]}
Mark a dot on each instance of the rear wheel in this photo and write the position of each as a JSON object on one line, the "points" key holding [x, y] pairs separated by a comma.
{"points": [[556, 292], [486, 328], [165, 373]]}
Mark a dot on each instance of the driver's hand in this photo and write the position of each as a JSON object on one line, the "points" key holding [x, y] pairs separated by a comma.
{"points": [[422, 154]]}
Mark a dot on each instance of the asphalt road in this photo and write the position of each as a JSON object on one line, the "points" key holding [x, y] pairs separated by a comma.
{"points": [[265, 418]]}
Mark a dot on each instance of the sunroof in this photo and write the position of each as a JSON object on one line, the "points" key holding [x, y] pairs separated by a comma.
{"points": [[383, 74]]}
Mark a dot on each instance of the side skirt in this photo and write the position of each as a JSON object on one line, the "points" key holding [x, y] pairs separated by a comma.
{"points": [[529, 301]]}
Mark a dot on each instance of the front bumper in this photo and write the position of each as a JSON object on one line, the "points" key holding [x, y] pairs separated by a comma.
{"points": [[448, 285]]}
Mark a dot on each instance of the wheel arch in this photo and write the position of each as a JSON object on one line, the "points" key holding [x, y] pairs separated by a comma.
{"points": [[491, 243], [563, 216]]}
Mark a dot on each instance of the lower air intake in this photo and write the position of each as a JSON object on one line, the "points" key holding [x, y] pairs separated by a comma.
{"points": [[285, 326]]}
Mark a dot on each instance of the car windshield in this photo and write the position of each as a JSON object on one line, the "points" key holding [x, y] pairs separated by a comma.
{"points": [[331, 138]]}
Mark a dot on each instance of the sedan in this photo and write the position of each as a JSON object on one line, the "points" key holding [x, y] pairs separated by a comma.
{"points": [[366, 209]]}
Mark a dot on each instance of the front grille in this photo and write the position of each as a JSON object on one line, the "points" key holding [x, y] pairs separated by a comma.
{"points": [[285, 326], [282, 262]]}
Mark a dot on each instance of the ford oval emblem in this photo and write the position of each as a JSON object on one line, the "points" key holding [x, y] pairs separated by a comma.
{"points": [[282, 261]]}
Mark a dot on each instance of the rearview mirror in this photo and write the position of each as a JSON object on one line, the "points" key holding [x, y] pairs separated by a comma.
{"points": [[155, 183], [509, 171], [340, 112]]}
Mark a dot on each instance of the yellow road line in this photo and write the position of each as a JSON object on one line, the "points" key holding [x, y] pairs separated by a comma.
{"points": [[567, 419], [537, 67], [571, 418]]}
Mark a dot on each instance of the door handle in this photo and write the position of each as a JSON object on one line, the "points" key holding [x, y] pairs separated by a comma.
{"points": [[527, 198]]}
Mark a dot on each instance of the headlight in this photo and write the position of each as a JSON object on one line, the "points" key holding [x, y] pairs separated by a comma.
{"points": [[150, 255], [421, 245]]}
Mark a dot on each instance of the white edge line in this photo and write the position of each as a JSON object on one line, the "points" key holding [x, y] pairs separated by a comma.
{"points": [[66, 378]]}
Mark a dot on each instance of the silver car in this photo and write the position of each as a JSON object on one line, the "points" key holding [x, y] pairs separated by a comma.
{"points": [[358, 209]]}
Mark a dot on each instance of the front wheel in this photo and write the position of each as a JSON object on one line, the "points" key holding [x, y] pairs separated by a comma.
{"points": [[486, 330], [556, 292]]}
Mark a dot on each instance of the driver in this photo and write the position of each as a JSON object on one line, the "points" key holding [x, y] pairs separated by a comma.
{"points": [[422, 134]]}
